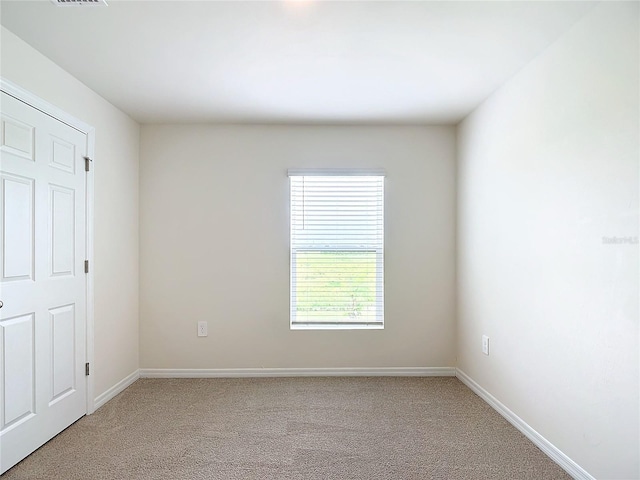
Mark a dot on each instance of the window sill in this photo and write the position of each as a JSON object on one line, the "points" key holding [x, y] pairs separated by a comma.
{"points": [[336, 326]]}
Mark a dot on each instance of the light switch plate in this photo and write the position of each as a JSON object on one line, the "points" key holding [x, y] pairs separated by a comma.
{"points": [[485, 344]]}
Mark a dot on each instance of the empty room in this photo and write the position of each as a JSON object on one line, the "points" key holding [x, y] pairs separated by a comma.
{"points": [[310, 239]]}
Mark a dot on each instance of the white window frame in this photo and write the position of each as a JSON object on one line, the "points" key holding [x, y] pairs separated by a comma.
{"points": [[379, 323]]}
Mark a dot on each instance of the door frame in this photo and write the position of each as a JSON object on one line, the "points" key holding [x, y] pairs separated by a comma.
{"points": [[47, 108]]}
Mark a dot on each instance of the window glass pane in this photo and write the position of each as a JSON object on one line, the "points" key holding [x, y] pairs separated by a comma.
{"points": [[336, 287]]}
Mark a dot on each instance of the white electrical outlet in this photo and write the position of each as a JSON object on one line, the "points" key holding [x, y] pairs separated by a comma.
{"points": [[202, 329], [485, 344]]}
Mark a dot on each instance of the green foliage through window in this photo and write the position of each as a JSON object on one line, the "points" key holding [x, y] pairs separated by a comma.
{"points": [[335, 287]]}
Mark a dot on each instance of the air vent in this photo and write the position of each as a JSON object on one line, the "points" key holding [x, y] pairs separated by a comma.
{"points": [[76, 3]]}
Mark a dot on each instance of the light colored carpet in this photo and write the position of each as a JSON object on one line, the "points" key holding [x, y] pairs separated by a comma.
{"points": [[291, 428]]}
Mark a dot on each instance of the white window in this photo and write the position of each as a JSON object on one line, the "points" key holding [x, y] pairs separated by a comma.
{"points": [[337, 249]]}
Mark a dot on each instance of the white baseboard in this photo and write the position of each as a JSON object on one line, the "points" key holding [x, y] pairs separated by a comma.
{"points": [[571, 467], [116, 389], [297, 372]]}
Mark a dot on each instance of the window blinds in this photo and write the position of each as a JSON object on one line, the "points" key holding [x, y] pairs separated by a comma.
{"points": [[337, 248]]}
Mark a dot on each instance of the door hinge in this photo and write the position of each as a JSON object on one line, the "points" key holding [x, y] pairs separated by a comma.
{"points": [[86, 266], [87, 162], [86, 369]]}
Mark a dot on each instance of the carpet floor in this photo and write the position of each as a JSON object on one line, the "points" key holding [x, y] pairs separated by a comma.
{"points": [[360, 428]]}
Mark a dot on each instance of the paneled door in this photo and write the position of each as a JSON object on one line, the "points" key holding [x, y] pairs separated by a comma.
{"points": [[43, 285]]}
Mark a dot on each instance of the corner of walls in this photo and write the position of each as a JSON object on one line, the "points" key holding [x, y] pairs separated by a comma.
{"points": [[456, 234]]}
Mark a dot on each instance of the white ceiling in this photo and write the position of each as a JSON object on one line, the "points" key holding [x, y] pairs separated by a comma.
{"points": [[293, 61]]}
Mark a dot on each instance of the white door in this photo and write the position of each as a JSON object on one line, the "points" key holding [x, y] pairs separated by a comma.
{"points": [[43, 386]]}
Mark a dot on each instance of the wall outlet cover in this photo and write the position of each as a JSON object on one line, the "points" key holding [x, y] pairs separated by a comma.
{"points": [[202, 329]]}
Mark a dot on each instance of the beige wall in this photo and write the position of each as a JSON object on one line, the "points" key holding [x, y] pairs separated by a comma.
{"points": [[548, 166], [215, 246], [116, 204]]}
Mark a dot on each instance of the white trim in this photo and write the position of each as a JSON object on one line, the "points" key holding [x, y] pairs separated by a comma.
{"points": [[91, 147], [297, 372], [553, 452], [47, 108], [116, 389], [338, 172], [38, 103], [337, 326]]}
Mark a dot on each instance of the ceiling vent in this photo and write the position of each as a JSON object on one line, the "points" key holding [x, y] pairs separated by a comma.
{"points": [[76, 3]]}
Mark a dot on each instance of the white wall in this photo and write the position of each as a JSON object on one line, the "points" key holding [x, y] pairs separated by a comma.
{"points": [[215, 246], [548, 166], [116, 204]]}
